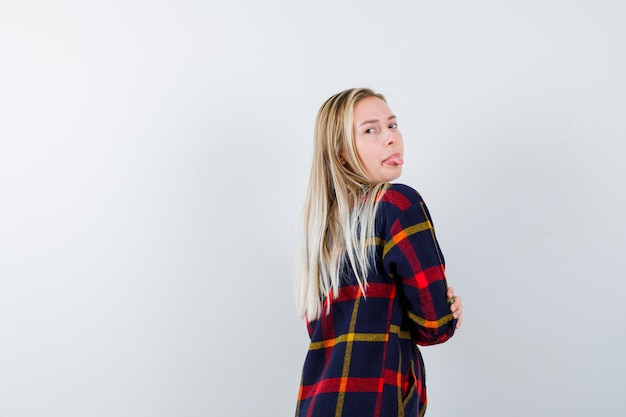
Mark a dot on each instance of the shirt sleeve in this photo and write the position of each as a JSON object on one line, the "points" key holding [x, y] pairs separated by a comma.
{"points": [[411, 256]]}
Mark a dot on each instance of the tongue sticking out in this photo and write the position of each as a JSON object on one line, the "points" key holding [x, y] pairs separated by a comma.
{"points": [[394, 160]]}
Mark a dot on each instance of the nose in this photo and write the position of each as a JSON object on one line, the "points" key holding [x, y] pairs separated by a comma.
{"points": [[392, 137]]}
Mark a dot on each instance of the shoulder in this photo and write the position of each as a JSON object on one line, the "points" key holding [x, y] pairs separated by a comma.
{"points": [[401, 196]]}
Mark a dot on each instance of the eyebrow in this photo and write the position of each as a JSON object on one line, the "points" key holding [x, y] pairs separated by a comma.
{"points": [[376, 120]]}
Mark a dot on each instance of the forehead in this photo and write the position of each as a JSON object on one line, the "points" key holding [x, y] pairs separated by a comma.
{"points": [[371, 108]]}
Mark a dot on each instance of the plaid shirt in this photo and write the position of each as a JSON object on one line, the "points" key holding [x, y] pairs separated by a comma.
{"points": [[363, 359]]}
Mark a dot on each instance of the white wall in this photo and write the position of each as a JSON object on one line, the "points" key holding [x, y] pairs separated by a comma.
{"points": [[154, 158]]}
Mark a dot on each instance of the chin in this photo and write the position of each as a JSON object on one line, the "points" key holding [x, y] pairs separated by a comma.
{"points": [[387, 176], [381, 180], [393, 177]]}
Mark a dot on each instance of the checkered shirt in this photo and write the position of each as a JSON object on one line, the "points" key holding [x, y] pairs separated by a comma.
{"points": [[363, 359]]}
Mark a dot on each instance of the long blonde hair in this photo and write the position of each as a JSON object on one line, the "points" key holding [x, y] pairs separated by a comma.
{"points": [[340, 207]]}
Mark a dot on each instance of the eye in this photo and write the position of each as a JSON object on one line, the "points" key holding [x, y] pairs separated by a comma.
{"points": [[393, 126], [370, 130]]}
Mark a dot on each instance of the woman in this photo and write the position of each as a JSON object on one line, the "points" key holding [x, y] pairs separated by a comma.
{"points": [[371, 281]]}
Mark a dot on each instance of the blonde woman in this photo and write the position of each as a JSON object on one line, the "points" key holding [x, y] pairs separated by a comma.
{"points": [[371, 277]]}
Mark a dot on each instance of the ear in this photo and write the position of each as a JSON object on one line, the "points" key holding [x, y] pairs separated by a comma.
{"points": [[343, 159]]}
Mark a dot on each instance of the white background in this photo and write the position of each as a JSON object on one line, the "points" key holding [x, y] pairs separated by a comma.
{"points": [[154, 157]]}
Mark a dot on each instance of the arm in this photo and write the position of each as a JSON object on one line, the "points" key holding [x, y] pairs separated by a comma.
{"points": [[412, 257]]}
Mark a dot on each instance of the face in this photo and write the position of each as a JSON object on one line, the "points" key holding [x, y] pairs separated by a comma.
{"points": [[378, 140]]}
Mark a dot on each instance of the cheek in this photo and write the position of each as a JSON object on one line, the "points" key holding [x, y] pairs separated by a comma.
{"points": [[400, 141], [366, 154], [361, 152]]}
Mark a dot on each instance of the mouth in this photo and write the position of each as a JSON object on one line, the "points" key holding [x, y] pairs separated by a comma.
{"points": [[394, 160]]}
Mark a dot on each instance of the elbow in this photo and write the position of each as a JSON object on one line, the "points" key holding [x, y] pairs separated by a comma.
{"points": [[426, 335]]}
